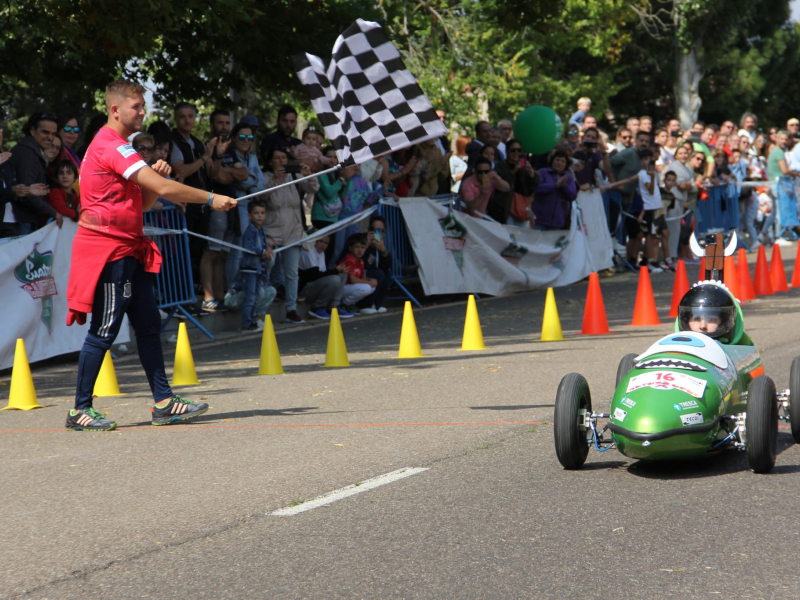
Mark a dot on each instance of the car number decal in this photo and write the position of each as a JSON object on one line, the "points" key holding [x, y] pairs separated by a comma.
{"points": [[665, 380], [692, 419], [620, 414]]}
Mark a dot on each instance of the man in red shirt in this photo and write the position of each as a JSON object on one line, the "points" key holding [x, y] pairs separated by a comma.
{"points": [[112, 261]]}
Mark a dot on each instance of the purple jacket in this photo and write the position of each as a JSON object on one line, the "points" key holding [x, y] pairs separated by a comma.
{"points": [[551, 205]]}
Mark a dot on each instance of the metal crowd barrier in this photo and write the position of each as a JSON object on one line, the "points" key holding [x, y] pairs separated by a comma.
{"points": [[786, 205], [174, 283], [399, 246]]}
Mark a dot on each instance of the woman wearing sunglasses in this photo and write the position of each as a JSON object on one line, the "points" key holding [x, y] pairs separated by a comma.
{"points": [[70, 131], [477, 189], [247, 179]]}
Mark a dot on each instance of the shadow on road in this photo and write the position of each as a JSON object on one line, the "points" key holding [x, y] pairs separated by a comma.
{"points": [[713, 465], [512, 407]]}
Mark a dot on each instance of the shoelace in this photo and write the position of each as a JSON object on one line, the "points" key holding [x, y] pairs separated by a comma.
{"points": [[94, 414], [183, 400]]}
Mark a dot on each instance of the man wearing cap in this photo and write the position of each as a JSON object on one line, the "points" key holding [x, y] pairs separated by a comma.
{"points": [[252, 122]]}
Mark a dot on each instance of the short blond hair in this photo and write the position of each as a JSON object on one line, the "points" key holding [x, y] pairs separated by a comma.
{"points": [[584, 100], [122, 88]]}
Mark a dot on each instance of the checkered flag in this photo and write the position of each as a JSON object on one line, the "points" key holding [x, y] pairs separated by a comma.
{"points": [[366, 99]]}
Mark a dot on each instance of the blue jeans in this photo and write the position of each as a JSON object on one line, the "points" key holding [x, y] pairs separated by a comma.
{"points": [[235, 256], [286, 262], [250, 285], [123, 288]]}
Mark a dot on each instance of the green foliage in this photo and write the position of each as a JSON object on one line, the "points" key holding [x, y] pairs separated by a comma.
{"points": [[475, 59]]}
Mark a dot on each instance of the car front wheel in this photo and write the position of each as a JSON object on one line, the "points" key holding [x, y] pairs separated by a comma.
{"points": [[573, 405], [761, 424]]}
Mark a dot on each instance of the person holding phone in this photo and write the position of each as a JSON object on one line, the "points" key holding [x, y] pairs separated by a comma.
{"points": [[553, 197], [378, 263], [513, 207], [477, 189]]}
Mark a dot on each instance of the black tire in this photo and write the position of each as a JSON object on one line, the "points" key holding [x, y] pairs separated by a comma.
{"points": [[571, 443], [625, 367], [794, 399], [762, 424]]}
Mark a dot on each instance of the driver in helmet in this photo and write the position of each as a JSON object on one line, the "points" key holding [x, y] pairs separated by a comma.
{"points": [[709, 308]]}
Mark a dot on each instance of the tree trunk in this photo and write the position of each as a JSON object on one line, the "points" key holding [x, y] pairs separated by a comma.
{"points": [[687, 85]]}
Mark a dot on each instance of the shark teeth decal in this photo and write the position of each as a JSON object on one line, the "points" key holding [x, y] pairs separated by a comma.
{"points": [[672, 363]]}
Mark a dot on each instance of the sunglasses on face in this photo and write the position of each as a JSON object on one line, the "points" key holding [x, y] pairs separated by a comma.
{"points": [[244, 137], [625, 137], [146, 149], [378, 229], [70, 129], [482, 172], [510, 150], [572, 132]]}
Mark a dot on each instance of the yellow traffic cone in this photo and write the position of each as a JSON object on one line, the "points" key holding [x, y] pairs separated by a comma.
{"points": [[22, 395], [551, 325], [183, 372], [473, 336], [106, 384], [337, 351], [409, 340], [270, 363]]}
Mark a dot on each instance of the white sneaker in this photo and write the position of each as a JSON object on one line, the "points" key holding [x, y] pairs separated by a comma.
{"points": [[783, 242], [382, 309], [369, 311], [260, 325]]}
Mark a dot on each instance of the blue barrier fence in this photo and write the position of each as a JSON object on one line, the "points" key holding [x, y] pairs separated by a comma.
{"points": [[720, 211], [174, 284], [786, 205]]}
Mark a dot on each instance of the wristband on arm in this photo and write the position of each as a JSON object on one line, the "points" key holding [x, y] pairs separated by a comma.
{"points": [[210, 198]]}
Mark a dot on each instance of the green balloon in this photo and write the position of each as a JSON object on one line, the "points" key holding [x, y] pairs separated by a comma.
{"points": [[538, 129]]}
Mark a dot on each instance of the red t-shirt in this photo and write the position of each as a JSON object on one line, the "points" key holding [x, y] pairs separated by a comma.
{"points": [[111, 203], [111, 217], [356, 266]]}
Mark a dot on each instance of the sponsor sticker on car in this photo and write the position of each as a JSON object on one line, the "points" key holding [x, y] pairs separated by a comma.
{"points": [[692, 419], [668, 380], [628, 402], [620, 414], [688, 405]]}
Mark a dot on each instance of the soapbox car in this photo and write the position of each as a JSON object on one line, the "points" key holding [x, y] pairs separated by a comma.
{"points": [[687, 396]]}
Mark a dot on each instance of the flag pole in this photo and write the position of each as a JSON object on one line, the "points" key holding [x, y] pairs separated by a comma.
{"points": [[288, 183]]}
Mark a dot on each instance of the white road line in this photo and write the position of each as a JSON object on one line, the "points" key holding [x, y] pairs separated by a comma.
{"points": [[350, 490]]}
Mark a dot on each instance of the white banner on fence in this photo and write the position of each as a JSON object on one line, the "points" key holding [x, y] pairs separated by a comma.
{"points": [[460, 254], [34, 271]]}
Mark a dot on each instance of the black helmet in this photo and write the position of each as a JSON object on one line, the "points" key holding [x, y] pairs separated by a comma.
{"points": [[707, 305]]}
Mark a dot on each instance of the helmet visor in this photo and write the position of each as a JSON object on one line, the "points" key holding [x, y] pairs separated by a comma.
{"points": [[713, 321]]}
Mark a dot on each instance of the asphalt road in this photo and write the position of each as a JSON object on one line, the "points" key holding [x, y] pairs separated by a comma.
{"points": [[184, 511]]}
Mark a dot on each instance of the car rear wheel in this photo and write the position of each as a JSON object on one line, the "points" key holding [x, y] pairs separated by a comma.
{"points": [[572, 399], [625, 367], [761, 424], [794, 399]]}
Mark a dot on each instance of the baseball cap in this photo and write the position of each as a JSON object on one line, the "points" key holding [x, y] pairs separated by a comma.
{"points": [[249, 120]]}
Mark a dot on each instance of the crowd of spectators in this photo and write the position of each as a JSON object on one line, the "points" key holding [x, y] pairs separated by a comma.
{"points": [[662, 172]]}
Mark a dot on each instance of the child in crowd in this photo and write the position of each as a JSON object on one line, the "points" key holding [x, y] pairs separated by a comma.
{"points": [[668, 202], [309, 153], [322, 287], [257, 296], [646, 202], [64, 198], [358, 285], [584, 106]]}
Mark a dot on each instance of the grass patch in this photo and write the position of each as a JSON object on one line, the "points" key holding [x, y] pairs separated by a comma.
{"points": [[296, 502], [531, 430], [483, 447]]}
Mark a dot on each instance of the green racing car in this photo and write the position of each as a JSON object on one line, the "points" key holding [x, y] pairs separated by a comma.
{"points": [[693, 392]]}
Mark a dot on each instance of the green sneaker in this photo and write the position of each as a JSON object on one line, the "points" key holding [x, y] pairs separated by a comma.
{"points": [[88, 419], [177, 409]]}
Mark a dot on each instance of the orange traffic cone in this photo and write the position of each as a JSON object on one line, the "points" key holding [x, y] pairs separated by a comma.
{"points": [[702, 275], [777, 274], [746, 291], [796, 272], [679, 289], [730, 277], [594, 315], [644, 311], [762, 283]]}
